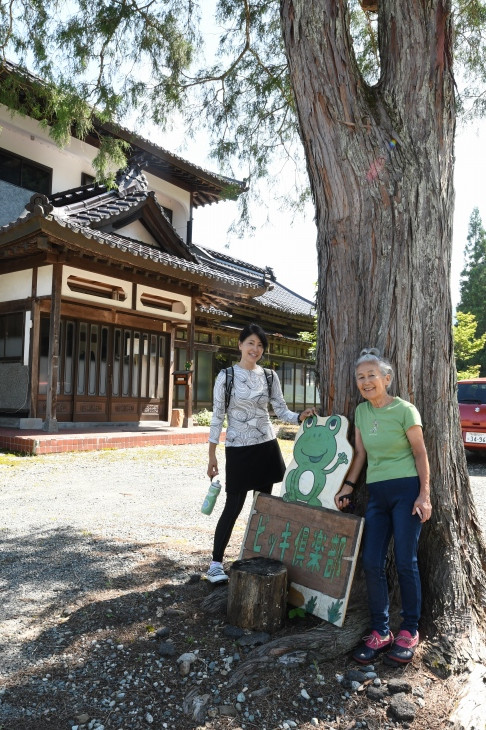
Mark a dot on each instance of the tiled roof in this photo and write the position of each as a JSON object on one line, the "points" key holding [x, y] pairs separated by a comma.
{"points": [[286, 301], [95, 203], [276, 297], [91, 209], [142, 250]]}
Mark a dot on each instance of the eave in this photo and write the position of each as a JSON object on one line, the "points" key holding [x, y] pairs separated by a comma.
{"points": [[36, 232]]}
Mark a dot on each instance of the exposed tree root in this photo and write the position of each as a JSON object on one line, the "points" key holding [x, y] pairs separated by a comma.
{"points": [[470, 710]]}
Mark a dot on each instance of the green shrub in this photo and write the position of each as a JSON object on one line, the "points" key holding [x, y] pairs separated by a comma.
{"points": [[203, 418]]}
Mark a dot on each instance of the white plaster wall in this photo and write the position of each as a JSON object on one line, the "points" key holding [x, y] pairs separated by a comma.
{"points": [[44, 281], [25, 137], [171, 296], [137, 231], [178, 200], [17, 285], [125, 285]]}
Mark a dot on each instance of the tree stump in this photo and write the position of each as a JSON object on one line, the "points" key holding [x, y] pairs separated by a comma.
{"points": [[257, 594]]}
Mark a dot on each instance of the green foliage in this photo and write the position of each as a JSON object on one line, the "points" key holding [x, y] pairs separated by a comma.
{"points": [[203, 418], [298, 612], [473, 288], [102, 61], [466, 345]]}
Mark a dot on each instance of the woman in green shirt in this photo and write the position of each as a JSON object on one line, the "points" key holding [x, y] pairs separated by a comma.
{"points": [[389, 436]]}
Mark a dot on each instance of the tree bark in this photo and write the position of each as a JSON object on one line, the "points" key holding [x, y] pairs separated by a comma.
{"points": [[380, 163]]}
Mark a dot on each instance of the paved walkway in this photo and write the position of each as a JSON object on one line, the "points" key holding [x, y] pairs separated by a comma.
{"points": [[96, 438]]}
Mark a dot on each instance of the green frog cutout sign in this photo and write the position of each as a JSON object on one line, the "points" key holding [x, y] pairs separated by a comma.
{"points": [[322, 456]]}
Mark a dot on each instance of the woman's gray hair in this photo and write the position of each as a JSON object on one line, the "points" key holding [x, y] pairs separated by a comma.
{"points": [[372, 354]]}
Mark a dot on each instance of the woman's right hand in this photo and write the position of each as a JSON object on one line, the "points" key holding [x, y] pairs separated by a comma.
{"points": [[212, 467], [343, 497]]}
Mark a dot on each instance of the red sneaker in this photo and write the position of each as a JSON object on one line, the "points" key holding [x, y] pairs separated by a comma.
{"points": [[403, 649], [371, 646]]}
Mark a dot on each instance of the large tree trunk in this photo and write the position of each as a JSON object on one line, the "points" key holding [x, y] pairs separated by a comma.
{"points": [[380, 162]]}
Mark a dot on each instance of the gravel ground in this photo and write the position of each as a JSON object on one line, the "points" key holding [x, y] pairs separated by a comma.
{"points": [[80, 530]]}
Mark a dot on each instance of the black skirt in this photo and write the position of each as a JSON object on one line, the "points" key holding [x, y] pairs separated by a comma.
{"points": [[254, 467]]}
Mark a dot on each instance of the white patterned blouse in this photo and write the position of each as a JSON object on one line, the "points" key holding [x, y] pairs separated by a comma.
{"points": [[248, 417]]}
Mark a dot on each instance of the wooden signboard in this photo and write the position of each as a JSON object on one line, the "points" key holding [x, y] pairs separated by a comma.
{"points": [[318, 546], [321, 459]]}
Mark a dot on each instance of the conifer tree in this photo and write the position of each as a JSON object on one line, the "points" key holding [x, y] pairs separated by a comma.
{"points": [[473, 281]]}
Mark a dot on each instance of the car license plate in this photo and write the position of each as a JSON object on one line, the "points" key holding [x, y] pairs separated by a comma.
{"points": [[475, 438]]}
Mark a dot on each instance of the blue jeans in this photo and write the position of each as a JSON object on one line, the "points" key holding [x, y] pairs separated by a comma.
{"points": [[389, 512]]}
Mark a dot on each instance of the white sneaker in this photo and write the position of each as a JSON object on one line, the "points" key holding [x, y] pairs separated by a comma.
{"points": [[216, 574]]}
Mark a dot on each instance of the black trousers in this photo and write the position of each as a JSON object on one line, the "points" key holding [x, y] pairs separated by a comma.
{"points": [[232, 508]]}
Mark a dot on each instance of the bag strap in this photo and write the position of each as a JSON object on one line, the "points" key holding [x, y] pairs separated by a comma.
{"points": [[269, 377], [230, 376]]}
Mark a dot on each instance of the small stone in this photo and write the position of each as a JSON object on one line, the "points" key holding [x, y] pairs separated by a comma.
{"points": [[149, 718], [82, 719], [187, 657], [184, 668], [262, 692], [228, 711], [163, 632], [174, 612], [314, 721], [305, 694], [233, 632], [241, 697], [354, 675], [399, 685], [166, 648], [376, 693], [401, 708], [254, 639]]}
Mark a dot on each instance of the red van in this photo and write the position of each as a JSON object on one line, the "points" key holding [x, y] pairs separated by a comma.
{"points": [[471, 395]]}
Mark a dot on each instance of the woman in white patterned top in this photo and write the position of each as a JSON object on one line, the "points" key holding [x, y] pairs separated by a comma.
{"points": [[253, 457]]}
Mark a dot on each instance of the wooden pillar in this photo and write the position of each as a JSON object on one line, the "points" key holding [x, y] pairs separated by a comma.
{"points": [[34, 358], [257, 595], [190, 356], [50, 424], [34, 348]]}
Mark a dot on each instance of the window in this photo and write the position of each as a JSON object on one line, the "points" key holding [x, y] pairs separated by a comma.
{"points": [[25, 173], [11, 337], [471, 393], [87, 179], [96, 288]]}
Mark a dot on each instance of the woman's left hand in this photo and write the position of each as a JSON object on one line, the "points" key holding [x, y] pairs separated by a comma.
{"points": [[422, 508]]}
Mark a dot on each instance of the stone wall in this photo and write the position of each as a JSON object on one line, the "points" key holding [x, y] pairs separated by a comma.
{"points": [[14, 387], [12, 202]]}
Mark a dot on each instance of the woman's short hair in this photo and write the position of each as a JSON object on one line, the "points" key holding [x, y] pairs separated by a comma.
{"points": [[254, 329], [372, 354]]}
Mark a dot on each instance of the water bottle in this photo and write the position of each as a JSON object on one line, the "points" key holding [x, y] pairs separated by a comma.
{"points": [[211, 497]]}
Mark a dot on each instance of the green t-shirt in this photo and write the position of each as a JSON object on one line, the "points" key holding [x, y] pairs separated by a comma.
{"points": [[384, 435]]}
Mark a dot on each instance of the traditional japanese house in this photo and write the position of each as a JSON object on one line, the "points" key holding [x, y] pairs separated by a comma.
{"points": [[109, 312]]}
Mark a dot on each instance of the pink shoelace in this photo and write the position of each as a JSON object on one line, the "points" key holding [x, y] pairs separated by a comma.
{"points": [[374, 641]]}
